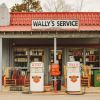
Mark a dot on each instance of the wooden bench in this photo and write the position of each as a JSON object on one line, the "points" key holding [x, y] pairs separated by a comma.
{"points": [[86, 76]]}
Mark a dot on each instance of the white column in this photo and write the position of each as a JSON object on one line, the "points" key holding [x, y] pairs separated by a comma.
{"points": [[55, 47], [0, 64]]}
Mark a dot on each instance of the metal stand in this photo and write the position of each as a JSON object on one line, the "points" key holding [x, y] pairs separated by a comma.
{"points": [[55, 84]]}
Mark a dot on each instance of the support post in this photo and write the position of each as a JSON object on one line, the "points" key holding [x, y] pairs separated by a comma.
{"points": [[55, 79], [0, 64], [55, 47]]}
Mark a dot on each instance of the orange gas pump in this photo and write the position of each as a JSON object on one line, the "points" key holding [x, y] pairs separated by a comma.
{"points": [[54, 71]]}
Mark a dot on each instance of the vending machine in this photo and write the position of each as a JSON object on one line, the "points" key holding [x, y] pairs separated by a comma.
{"points": [[73, 76], [36, 77]]}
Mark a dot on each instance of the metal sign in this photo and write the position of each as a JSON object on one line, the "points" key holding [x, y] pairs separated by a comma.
{"points": [[55, 24]]}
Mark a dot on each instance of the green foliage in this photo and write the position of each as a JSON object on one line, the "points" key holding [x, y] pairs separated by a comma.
{"points": [[27, 6]]}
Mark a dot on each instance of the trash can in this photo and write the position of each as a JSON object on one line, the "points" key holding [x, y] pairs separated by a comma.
{"points": [[96, 74]]}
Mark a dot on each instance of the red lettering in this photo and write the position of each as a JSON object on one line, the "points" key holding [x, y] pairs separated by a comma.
{"points": [[73, 64], [36, 65]]}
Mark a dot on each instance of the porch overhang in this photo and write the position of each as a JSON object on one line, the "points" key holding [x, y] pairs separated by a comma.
{"points": [[29, 28], [50, 34]]}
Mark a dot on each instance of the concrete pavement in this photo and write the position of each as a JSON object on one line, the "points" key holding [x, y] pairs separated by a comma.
{"points": [[20, 96], [92, 93]]}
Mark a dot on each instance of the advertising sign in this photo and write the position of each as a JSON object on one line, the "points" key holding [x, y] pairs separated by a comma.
{"points": [[73, 76], [36, 76], [55, 24]]}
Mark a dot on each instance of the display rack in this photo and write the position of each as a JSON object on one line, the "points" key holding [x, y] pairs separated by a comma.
{"points": [[20, 57], [92, 57], [24, 56], [36, 55], [76, 54]]}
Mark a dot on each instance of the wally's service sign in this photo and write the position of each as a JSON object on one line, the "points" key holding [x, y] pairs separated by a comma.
{"points": [[73, 76], [55, 24]]}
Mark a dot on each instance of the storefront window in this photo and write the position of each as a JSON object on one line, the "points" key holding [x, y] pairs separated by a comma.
{"points": [[36, 55], [76, 54], [20, 57], [17, 78], [92, 57], [24, 56]]}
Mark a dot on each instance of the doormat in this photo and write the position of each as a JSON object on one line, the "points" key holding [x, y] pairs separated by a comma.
{"points": [[15, 88]]}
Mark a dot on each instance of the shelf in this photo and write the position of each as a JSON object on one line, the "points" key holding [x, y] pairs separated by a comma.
{"points": [[21, 67], [36, 55], [92, 55], [17, 56], [93, 68], [76, 56], [92, 61], [20, 61]]}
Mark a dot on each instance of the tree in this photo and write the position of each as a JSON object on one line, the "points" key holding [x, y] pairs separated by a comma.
{"points": [[81, 4], [57, 6], [27, 6]]}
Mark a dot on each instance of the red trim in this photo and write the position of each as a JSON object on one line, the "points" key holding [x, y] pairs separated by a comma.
{"points": [[55, 12], [89, 21], [25, 18]]}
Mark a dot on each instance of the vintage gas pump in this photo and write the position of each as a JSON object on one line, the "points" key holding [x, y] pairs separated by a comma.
{"points": [[73, 76], [36, 77], [54, 71]]}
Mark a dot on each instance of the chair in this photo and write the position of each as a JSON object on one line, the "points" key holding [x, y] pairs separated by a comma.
{"points": [[86, 76], [26, 81], [9, 82], [65, 76]]}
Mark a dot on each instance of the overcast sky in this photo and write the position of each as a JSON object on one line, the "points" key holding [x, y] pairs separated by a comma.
{"points": [[88, 5]]}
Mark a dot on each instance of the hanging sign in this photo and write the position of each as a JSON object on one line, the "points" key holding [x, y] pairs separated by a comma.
{"points": [[55, 24], [73, 76]]}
